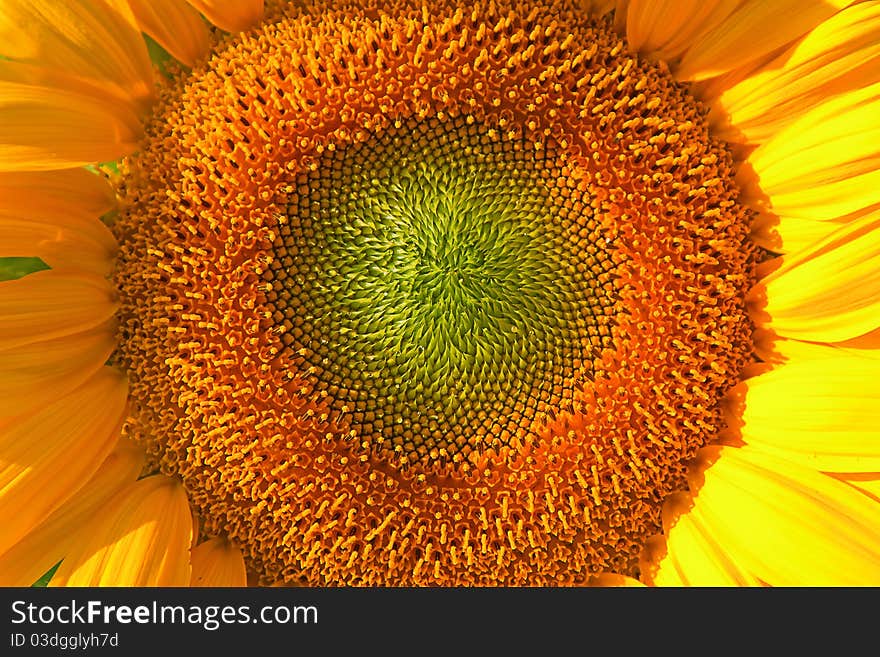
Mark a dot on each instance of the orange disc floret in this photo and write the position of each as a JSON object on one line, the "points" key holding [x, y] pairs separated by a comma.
{"points": [[431, 295]]}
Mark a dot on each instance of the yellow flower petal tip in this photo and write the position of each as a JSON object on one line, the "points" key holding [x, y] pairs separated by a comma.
{"points": [[614, 580], [232, 17], [175, 26], [48, 454], [49, 542], [787, 524], [140, 538], [217, 562], [96, 41], [830, 291]]}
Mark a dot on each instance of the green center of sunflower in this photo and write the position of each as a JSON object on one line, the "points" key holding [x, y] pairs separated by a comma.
{"points": [[439, 288]]}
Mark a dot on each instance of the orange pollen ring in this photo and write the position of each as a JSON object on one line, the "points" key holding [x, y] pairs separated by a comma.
{"points": [[431, 296]]}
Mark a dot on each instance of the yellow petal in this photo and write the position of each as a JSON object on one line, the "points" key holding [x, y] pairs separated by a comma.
{"points": [[755, 29], [831, 291], [51, 304], [47, 456], [664, 29], [47, 195], [791, 234], [140, 538], [54, 215], [787, 524], [175, 26], [47, 544], [824, 165], [621, 10], [93, 39], [840, 55], [231, 16], [84, 245], [597, 8], [35, 374], [196, 535], [217, 563], [614, 580], [823, 413], [694, 556], [59, 127], [773, 349]]}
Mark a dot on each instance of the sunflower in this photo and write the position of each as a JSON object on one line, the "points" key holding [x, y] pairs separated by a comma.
{"points": [[519, 292]]}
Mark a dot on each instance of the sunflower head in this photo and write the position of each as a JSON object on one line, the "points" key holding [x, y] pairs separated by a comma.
{"points": [[429, 303]]}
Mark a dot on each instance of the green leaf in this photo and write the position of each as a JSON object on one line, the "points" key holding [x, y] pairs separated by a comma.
{"points": [[12, 268], [44, 580], [158, 55]]}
